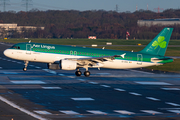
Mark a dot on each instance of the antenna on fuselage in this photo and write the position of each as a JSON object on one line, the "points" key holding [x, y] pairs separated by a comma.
{"points": [[30, 41]]}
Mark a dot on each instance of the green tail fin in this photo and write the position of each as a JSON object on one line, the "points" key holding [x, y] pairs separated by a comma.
{"points": [[159, 44]]}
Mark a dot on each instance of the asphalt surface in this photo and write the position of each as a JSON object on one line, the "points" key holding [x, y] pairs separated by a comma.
{"points": [[107, 94]]}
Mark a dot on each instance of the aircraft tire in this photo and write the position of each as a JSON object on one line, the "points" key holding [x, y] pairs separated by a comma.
{"points": [[78, 73], [24, 69], [87, 73]]}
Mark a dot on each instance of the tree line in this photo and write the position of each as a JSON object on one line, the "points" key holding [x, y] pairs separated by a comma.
{"points": [[81, 24]]}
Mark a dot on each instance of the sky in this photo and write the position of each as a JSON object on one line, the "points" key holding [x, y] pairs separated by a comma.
{"points": [[84, 5]]}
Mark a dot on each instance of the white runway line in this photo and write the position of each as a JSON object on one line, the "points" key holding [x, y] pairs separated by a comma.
{"points": [[137, 94], [10, 73], [50, 71], [82, 99], [173, 104], [103, 73], [170, 88], [31, 65], [28, 82], [61, 74], [174, 111], [141, 72], [37, 67], [42, 112], [121, 90], [81, 79], [151, 98], [96, 112], [124, 112], [69, 112], [105, 86], [93, 83], [21, 109], [151, 112], [19, 62], [153, 83], [71, 76], [51, 87]]}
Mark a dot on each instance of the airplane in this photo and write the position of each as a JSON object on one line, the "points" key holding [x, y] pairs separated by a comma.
{"points": [[73, 58]]}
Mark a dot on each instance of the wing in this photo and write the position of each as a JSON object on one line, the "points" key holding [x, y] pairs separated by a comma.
{"points": [[92, 61]]}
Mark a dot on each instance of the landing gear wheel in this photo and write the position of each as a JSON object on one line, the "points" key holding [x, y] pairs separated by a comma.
{"points": [[78, 73], [87, 73], [24, 69]]}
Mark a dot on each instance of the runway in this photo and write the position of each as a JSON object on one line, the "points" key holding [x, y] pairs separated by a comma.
{"points": [[107, 94]]}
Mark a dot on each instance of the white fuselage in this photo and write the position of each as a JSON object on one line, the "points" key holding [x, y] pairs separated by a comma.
{"points": [[51, 58]]}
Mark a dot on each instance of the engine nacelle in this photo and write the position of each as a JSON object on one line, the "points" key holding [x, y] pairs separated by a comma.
{"points": [[68, 65], [53, 66]]}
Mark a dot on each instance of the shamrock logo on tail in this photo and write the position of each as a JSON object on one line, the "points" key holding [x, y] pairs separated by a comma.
{"points": [[159, 42]]}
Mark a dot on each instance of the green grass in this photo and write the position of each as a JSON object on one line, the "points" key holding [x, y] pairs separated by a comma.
{"points": [[171, 51]]}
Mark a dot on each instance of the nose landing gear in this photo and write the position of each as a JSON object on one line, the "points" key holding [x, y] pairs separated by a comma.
{"points": [[26, 64]]}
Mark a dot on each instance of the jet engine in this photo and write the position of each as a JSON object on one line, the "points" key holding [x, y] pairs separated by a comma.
{"points": [[68, 65]]}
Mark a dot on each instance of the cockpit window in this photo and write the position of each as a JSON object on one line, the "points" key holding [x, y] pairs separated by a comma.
{"points": [[15, 47]]}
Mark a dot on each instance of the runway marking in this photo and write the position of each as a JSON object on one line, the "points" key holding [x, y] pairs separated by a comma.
{"points": [[124, 112], [103, 73], [121, 90], [61, 74], [50, 71], [151, 112], [105, 86], [153, 83], [31, 65], [141, 72], [82, 99], [137, 94], [28, 82], [170, 88], [19, 62], [51, 87], [174, 111], [93, 82], [37, 67], [10, 73], [151, 98], [13, 61], [96, 112], [82, 79], [71, 76], [43, 112], [21, 109], [69, 112], [173, 104], [169, 108]]}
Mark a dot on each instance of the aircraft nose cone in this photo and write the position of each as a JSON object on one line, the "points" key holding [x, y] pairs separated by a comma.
{"points": [[7, 53]]}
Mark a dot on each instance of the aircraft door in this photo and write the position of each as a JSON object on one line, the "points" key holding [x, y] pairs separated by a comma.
{"points": [[139, 59], [28, 48]]}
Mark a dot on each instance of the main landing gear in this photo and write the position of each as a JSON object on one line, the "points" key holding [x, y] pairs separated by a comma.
{"points": [[26, 64], [86, 73]]}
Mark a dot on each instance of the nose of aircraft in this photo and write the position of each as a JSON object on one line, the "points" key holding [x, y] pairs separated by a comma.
{"points": [[7, 53]]}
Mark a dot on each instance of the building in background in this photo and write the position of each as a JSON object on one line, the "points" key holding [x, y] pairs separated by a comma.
{"points": [[7, 28], [160, 22]]}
